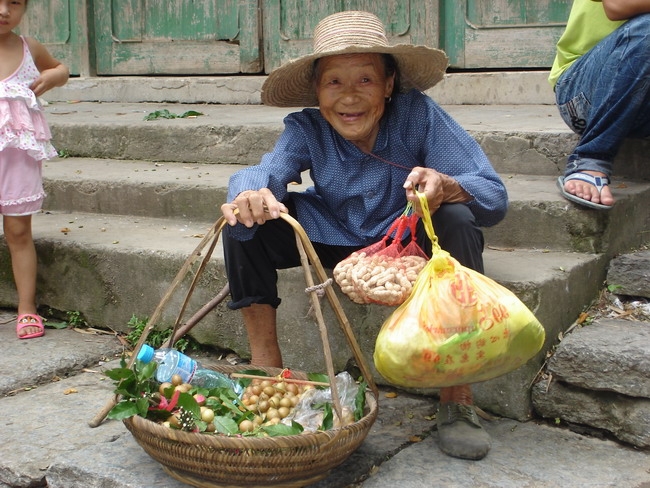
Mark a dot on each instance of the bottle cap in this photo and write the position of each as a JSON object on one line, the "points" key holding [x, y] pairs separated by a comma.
{"points": [[146, 353]]}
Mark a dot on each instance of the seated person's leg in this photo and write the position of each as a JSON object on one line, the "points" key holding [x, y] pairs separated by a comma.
{"points": [[458, 234], [251, 267], [604, 97], [460, 432]]}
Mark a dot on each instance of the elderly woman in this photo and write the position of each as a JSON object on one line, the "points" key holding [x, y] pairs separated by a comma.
{"points": [[374, 139]]}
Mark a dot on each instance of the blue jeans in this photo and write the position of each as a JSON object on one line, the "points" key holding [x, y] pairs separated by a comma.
{"points": [[605, 96]]}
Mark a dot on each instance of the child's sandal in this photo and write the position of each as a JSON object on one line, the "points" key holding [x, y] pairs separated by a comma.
{"points": [[29, 320]]}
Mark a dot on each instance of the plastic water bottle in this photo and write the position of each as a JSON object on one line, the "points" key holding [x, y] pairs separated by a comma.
{"points": [[171, 362]]}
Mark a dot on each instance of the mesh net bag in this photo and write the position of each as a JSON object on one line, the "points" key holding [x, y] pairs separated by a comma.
{"points": [[385, 271]]}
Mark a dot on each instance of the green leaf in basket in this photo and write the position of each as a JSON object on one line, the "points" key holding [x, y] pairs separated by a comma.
{"points": [[281, 429], [123, 410], [319, 378], [143, 406], [253, 372], [169, 391], [126, 382], [145, 371], [118, 374], [224, 393], [188, 402], [360, 401], [201, 425], [125, 392], [328, 417], [133, 387], [225, 425], [229, 404]]}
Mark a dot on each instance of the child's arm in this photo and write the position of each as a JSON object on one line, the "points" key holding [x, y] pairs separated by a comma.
{"points": [[624, 9], [53, 72]]}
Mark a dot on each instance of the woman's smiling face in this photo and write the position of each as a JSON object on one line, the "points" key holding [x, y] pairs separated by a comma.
{"points": [[351, 90]]}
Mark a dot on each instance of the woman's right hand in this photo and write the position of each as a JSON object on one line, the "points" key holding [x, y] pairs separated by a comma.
{"points": [[254, 207]]}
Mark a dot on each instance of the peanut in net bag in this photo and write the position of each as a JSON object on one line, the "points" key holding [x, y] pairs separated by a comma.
{"points": [[385, 271], [456, 327]]}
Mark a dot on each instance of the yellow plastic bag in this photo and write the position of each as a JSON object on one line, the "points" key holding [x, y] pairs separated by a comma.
{"points": [[456, 327]]}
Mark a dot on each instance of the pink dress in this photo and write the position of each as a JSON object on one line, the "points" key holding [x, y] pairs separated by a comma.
{"points": [[22, 122], [24, 141]]}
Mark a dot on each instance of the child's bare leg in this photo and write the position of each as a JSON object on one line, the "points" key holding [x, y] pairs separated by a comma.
{"points": [[18, 234]]}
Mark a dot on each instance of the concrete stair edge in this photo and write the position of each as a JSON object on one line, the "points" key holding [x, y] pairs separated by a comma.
{"points": [[499, 88], [524, 139], [124, 265], [538, 216]]}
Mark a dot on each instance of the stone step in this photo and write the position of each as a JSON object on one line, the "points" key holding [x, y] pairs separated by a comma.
{"points": [[488, 88], [528, 139], [603, 368], [57, 385], [538, 215], [116, 233], [124, 258], [110, 267], [598, 378], [520, 139]]}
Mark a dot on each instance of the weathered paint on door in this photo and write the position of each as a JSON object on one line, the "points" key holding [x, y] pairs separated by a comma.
{"points": [[502, 33], [198, 37], [289, 24], [61, 26]]}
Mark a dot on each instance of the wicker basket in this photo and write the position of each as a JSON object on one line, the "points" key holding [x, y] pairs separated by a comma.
{"points": [[205, 460]]}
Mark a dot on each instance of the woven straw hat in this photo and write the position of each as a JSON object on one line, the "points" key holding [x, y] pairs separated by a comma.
{"points": [[351, 32]]}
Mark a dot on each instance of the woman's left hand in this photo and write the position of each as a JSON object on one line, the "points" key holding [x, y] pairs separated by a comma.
{"points": [[437, 187]]}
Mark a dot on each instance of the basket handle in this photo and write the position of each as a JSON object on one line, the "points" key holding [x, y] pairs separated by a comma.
{"points": [[211, 235], [211, 238], [315, 303], [334, 301]]}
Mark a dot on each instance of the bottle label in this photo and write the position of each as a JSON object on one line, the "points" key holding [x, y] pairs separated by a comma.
{"points": [[176, 362], [186, 367]]}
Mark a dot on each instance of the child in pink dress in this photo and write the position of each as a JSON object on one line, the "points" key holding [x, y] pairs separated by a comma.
{"points": [[27, 70]]}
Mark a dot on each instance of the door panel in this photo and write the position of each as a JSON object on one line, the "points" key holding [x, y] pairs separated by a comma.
{"points": [[198, 37], [177, 37], [289, 24], [60, 25], [503, 33]]}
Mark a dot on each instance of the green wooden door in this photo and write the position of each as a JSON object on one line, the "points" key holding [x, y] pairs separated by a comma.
{"points": [[502, 33], [61, 26], [289, 24], [195, 37]]}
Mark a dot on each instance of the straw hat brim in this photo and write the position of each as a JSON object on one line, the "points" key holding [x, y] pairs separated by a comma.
{"points": [[291, 85]]}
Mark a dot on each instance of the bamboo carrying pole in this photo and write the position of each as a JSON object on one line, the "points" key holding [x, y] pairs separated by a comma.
{"points": [[308, 255], [211, 235]]}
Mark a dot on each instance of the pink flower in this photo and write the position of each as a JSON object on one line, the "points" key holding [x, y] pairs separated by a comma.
{"points": [[167, 404]]}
